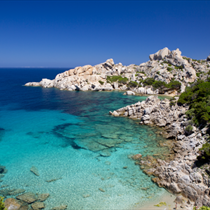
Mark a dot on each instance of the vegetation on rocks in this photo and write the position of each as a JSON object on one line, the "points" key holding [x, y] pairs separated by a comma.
{"points": [[205, 149], [133, 84], [160, 84], [198, 98], [202, 208], [2, 205], [120, 79], [101, 82]]}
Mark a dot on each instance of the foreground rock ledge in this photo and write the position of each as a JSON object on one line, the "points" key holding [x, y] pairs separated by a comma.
{"points": [[180, 176]]}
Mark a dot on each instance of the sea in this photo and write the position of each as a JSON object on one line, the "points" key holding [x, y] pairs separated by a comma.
{"points": [[81, 153]]}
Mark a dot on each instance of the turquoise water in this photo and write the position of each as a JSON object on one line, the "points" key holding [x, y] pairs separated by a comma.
{"points": [[71, 138]]}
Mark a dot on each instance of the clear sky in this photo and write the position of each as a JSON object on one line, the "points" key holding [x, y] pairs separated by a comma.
{"points": [[71, 33]]}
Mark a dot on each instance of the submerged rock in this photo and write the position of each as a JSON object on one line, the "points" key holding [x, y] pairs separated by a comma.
{"points": [[34, 170], [61, 207], [37, 205], [43, 197], [27, 197]]}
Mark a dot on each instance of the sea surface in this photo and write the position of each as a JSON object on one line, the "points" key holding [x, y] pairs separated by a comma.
{"points": [[82, 154]]}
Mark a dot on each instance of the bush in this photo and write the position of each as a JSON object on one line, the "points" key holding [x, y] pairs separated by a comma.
{"points": [[205, 150], [133, 84], [198, 98], [2, 205], [179, 67], [202, 208], [189, 130], [123, 80], [148, 81], [120, 79], [186, 58], [174, 85], [101, 82], [158, 84], [198, 74], [169, 69]]}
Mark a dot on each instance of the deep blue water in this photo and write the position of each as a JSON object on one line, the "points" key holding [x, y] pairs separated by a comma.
{"points": [[70, 136]]}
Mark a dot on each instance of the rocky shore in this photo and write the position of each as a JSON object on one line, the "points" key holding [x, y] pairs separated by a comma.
{"points": [[179, 173], [164, 66]]}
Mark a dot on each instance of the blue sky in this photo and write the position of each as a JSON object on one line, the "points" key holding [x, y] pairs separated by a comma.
{"points": [[72, 33]]}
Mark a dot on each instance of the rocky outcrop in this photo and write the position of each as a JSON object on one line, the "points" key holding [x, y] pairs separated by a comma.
{"points": [[160, 54], [164, 65], [179, 174]]}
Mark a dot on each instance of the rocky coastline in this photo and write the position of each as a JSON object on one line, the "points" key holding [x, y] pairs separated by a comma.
{"points": [[168, 73], [179, 173]]}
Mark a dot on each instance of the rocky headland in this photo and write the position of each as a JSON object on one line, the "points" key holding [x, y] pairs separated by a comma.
{"points": [[156, 76]]}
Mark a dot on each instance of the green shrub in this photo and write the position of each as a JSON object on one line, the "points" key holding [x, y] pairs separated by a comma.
{"points": [[2, 205], [206, 151], [198, 98], [179, 67], [148, 81], [166, 63], [202, 208], [189, 130], [133, 84], [185, 58], [169, 69], [101, 82], [198, 74], [123, 80], [158, 84], [173, 84], [120, 79]]}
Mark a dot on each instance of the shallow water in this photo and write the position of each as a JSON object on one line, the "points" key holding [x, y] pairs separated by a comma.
{"points": [[71, 139]]}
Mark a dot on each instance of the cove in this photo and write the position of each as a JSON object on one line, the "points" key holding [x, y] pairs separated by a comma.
{"points": [[82, 153]]}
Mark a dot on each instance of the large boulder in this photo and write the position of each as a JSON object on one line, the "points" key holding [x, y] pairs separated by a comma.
{"points": [[141, 90], [208, 58], [129, 93], [160, 54]]}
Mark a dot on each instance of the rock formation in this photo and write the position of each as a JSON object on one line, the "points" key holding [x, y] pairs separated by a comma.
{"points": [[164, 65], [180, 174]]}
